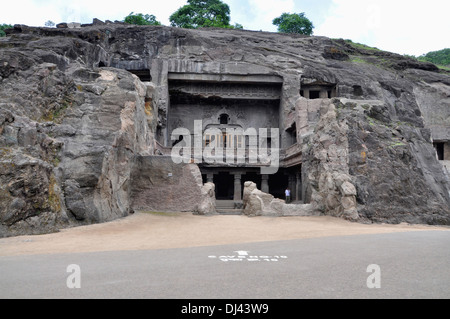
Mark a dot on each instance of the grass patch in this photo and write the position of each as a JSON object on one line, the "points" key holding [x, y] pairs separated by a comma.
{"points": [[371, 121], [397, 144], [53, 196], [56, 161], [357, 59], [361, 46], [4, 151], [443, 67]]}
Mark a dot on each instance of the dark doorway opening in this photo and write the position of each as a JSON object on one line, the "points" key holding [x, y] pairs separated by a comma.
{"points": [[357, 90], [143, 75], [314, 95], [439, 150], [278, 184], [224, 183], [224, 119]]}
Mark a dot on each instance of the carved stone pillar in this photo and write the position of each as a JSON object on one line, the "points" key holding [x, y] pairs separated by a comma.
{"points": [[292, 186], [298, 187], [265, 183], [237, 187], [306, 93], [210, 178]]}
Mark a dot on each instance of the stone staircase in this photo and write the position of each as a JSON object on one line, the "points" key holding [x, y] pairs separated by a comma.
{"points": [[227, 207]]}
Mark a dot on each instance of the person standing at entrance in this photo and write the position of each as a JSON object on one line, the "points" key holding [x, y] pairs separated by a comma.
{"points": [[287, 192]]}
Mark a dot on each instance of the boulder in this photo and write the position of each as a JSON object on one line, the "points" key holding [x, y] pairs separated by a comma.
{"points": [[62, 25], [258, 203], [160, 185], [208, 204]]}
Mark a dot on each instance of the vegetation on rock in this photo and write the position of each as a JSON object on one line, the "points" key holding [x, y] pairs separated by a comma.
{"points": [[203, 14], [3, 27], [141, 19], [440, 58], [294, 23]]}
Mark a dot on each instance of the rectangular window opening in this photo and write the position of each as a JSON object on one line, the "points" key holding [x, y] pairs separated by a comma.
{"points": [[314, 95], [439, 150]]}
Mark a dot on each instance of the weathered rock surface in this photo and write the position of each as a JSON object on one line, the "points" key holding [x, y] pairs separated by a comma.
{"points": [[329, 184], [73, 130], [74, 122], [258, 203], [160, 185]]}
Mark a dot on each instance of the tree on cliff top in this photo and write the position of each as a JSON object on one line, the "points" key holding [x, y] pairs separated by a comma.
{"points": [[294, 23], [141, 19], [441, 57], [203, 13], [2, 29]]}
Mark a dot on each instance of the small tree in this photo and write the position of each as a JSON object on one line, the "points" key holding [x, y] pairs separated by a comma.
{"points": [[202, 13], [294, 23], [141, 19], [2, 29], [238, 26], [50, 24]]}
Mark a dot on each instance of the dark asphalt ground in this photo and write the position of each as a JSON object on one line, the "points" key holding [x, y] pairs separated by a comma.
{"points": [[411, 265]]}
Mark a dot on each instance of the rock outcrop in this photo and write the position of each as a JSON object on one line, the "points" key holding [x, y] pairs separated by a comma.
{"points": [[75, 124], [258, 203], [326, 153], [160, 185]]}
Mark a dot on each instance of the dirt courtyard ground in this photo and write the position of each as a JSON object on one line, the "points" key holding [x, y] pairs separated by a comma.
{"points": [[146, 231]]}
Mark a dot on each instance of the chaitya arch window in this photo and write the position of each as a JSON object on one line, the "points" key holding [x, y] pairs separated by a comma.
{"points": [[224, 119]]}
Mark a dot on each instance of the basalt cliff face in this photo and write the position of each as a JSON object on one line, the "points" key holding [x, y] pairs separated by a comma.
{"points": [[75, 122]]}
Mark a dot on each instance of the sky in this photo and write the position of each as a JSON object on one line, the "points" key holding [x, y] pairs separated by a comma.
{"points": [[401, 26]]}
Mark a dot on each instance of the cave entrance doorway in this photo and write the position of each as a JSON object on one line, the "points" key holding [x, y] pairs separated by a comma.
{"points": [[439, 150], [224, 183]]}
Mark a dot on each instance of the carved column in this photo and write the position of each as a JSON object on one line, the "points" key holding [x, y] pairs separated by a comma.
{"points": [[323, 94], [265, 183], [298, 187], [306, 93], [292, 186], [210, 178], [237, 187]]}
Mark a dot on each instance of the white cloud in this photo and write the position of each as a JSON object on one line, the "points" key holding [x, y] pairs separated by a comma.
{"points": [[401, 26], [28, 12], [253, 14], [263, 12], [345, 20], [404, 27], [36, 12], [106, 10]]}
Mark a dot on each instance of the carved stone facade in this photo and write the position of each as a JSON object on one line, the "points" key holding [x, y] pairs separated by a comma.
{"points": [[77, 126], [227, 90], [242, 100]]}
